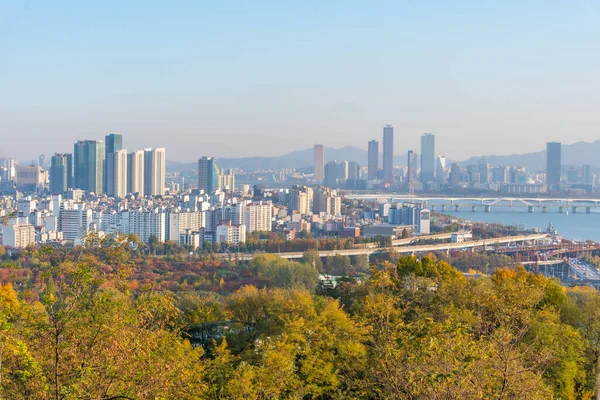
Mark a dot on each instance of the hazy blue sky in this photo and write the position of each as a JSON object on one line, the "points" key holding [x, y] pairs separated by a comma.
{"points": [[253, 78]]}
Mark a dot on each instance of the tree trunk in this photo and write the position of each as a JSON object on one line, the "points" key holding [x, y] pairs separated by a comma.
{"points": [[598, 376]]}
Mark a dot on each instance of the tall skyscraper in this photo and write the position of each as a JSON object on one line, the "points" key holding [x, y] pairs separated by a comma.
{"points": [[440, 173], [484, 172], [113, 142], [208, 174], [331, 173], [353, 175], [455, 175], [373, 163], [342, 171], [61, 175], [116, 173], [388, 153], [553, 164], [135, 172], [89, 165], [500, 174], [319, 162], [411, 171], [586, 174], [427, 157], [154, 172]]}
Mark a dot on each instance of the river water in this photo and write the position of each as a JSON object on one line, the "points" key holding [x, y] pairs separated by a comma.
{"points": [[579, 226]]}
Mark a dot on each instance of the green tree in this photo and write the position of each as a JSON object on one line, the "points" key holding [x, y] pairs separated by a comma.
{"points": [[312, 257]]}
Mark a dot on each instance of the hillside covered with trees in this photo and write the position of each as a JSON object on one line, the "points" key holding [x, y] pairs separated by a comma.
{"points": [[100, 322]]}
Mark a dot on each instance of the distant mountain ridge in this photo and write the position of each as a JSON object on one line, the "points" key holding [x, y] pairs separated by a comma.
{"points": [[575, 154], [572, 154], [296, 159]]}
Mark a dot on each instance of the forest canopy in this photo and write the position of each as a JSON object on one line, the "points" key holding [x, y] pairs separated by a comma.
{"points": [[81, 324]]}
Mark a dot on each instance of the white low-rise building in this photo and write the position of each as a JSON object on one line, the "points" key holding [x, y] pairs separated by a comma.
{"points": [[231, 233], [18, 236], [460, 237]]}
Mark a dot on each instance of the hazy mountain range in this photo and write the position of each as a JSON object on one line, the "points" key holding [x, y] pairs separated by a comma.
{"points": [[572, 154]]}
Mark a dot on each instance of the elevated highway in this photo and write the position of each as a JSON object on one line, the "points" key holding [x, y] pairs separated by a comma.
{"points": [[427, 248], [550, 250], [415, 239]]}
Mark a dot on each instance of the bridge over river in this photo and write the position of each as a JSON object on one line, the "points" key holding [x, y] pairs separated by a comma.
{"points": [[486, 203]]}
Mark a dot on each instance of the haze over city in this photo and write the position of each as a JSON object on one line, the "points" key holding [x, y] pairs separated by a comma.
{"points": [[266, 78], [300, 200]]}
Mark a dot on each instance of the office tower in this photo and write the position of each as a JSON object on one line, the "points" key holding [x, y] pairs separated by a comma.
{"points": [[331, 173], [258, 216], [353, 177], [410, 171], [154, 172], [586, 174], [484, 172], [353, 171], [135, 172], [572, 175], [89, 165], [319, 162], [10, 170], [388, 153], [427, 157], [474, 176], [373, 163], [410, 214], [116, 173], [440, 173], [61, 175], [553, 164], [113, 142], [455, 175], [342, 171], [500, 174], [42, 160], [29, 177], [208, 174]]}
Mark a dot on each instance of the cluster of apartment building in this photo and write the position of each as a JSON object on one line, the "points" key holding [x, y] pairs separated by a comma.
{"points": [[189, 220]]}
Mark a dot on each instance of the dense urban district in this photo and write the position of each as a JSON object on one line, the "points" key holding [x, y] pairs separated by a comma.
{"points": [[122, 280]]}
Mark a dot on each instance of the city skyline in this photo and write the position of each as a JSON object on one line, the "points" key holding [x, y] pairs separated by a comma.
{"points": [[470, 71], [390, 199], [32, 159]]}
